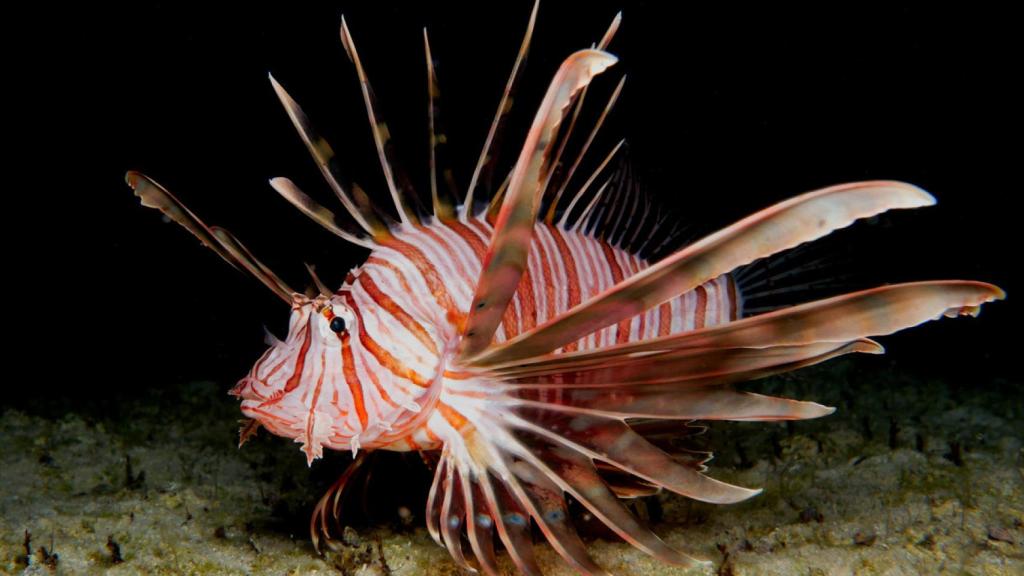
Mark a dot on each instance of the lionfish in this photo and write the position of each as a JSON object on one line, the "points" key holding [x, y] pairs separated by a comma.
{"points": [[528, 342]]}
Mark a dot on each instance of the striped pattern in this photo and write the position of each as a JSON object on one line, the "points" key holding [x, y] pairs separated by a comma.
{"points": [[521, 426], [385, 383]]}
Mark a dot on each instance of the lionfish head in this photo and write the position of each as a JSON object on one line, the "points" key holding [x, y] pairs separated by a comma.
{"points": [[324, 386], [297, 387]]}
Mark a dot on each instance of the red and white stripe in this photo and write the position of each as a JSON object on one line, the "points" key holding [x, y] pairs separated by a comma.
{"points": [[384, 383]]}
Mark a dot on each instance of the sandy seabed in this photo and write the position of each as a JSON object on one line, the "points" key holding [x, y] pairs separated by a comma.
{"points": [[910, 476]]}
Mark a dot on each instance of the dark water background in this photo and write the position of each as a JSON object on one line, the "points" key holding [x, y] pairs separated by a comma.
{"points": [[727, 110]]}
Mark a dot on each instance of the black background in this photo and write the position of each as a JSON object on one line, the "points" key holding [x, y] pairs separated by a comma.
{"points": [[727, 109]]}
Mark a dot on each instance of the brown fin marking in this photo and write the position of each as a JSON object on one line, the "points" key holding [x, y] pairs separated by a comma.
{"points": [[365, 204], [401, 190], [327, 162], [785, 225], [330, 503], [496, 201], [443, 197], [153, 195], [507, 252], [485, 164], [322, 216]]}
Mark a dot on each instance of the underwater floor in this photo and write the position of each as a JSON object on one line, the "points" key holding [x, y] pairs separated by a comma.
{"points": [[910, 476]]}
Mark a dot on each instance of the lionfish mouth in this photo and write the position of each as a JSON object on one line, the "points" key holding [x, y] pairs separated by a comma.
{"points": [[580, 343]]}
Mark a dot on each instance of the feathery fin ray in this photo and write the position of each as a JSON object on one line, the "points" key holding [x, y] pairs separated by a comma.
{"points": [[873, 312], [485, 163], [153, 195], [402, 195], [322, 216], [550, 216], [518, 453], [442, 197], [510, 241], [327, 162], [785, 225]]}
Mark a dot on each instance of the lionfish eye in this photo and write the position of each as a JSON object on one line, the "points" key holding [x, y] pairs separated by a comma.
{"points": [[338, 324]]}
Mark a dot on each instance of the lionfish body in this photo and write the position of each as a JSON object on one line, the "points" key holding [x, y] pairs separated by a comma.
{"points": [[391, 382], [532, 345]]}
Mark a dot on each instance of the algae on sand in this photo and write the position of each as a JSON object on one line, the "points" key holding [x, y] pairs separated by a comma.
{"points": [[908, 477]]}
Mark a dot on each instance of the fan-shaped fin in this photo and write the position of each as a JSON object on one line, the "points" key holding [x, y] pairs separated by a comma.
{"points": [[322, 216], [779, 227], [667, 401], [485, 164], [401, 192], [325, 159], [577, 475], [614, 442], [548, 508], [479, 523], [491, 505], [453, 516], [877, 312], [696, 366], [507, 252], [512, 522], [873, 312], [153, 195], [443, 197]]}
